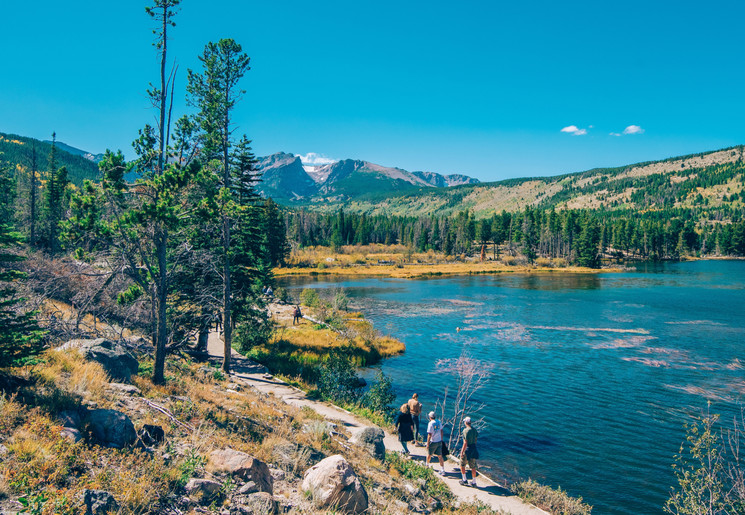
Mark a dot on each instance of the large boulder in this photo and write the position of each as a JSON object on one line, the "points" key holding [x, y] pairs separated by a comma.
{"points": [[99, 502], [260, 503], [111, 428], [332, 483], [113, 356], [370, 439], [241, 465]]}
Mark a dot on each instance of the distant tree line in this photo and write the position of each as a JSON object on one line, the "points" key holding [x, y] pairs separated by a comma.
{"points": [[580, 237]]}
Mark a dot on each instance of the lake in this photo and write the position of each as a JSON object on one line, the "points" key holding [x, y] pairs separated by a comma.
{"points": [[594, 375]]}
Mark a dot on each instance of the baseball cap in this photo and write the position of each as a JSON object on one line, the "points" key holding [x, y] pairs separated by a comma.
{"points": [[467, 420]]}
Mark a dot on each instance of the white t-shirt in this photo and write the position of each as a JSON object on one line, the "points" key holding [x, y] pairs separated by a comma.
{"points": [[435, 429]]}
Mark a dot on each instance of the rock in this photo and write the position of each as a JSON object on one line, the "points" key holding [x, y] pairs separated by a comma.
{"points": [[401, 507], [412, 490], [241, 465], [370, 439], [202, 491], [248, 488], [151, 434], [113, 357], [72, 434], [233, 386], [295, 458], [277, 474], [128, 389], [333, 484], [99, 502], [3, 450], [69, 418], [112, 428], [260, 503]]}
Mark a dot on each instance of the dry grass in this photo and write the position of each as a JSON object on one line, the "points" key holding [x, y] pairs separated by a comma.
{"points": [[393, 261]]}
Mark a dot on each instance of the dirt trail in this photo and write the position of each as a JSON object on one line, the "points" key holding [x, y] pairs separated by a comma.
{"points": [[255, 375]]}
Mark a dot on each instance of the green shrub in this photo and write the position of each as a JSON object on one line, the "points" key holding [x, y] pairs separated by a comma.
{"points": [[380, 395], [309, 297]]}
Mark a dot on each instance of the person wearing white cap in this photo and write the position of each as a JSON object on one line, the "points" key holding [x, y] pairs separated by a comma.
{"points": [[434, 441], [469, 453]]}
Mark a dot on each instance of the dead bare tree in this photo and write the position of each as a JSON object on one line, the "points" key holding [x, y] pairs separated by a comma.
{"points": [[471, 376]]}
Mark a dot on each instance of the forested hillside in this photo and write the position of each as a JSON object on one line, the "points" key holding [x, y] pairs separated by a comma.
{"points": [[18, 152], [681, 207]]}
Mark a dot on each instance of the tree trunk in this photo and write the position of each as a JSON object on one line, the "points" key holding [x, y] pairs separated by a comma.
{"points": [[161, 293], [227, 304]]}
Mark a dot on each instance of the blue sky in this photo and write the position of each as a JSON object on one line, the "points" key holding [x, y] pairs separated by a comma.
{"points": [[481, 88]]}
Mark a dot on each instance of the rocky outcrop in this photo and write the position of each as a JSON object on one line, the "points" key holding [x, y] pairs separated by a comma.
{"points": [[111, 428], [113, 357], [243, 466], [202, 491], [99, 502], [333, 484], [370, 439]]}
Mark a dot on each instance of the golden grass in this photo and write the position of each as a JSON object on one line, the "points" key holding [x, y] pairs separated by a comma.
{"points": [[69, 371], [394, 261]]}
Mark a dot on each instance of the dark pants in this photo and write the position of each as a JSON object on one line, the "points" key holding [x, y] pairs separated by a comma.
{"points": [[415, 418]]}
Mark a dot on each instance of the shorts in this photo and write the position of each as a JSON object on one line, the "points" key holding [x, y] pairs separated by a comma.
{"points": [[434, 449], [471, 462]]}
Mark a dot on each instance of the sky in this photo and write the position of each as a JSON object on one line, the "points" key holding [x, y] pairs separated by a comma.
{"points": [[490, 89]]}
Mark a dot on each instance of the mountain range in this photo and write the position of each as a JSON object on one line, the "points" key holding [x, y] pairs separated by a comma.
{"points": [[287, 180]]}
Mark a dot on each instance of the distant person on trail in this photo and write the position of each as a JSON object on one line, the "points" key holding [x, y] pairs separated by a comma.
{"points": [[296, 315], [415, 408], [469, 453], [405, 427], [434, 441], [269, 292]]}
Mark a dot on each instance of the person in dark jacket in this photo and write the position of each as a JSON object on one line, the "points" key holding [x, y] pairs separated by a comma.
{"points": [[405, 427]]}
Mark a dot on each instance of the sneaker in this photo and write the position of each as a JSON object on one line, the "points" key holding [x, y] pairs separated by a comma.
{"points": [[464, 483], [473, 483], [442, 472]]}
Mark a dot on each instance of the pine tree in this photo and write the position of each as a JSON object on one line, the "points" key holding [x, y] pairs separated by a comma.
{"points": [[20, 335]]}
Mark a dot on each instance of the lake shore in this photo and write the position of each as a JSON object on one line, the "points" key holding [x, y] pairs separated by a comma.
{"points": [[416, 270]]}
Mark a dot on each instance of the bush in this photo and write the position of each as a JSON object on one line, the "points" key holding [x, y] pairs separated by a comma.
{"points": [[256, 329], [310, 298], [380, 395], [282, 295], [338, 380]]}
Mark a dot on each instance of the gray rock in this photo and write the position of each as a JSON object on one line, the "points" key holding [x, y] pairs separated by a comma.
{"points": [[151, 434], [240, 465], [370, 439], [113, 357], [261, 503], [277, 474], [128, 389], [99, 502], [248, 488], [112, 428], [72, 434], [3, 450], [69, 418], [412, 490], [202, 491], [333, 484]]}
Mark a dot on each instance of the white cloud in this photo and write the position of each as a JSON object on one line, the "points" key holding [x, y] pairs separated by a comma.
{"points": [[633, 129], [574, 130], [313, 159], [615, 134]]}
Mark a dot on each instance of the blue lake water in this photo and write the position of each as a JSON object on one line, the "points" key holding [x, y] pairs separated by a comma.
{"points": [[594, 375]]}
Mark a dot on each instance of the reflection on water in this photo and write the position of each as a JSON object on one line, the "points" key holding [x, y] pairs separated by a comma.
{"points": [[594, 374]]}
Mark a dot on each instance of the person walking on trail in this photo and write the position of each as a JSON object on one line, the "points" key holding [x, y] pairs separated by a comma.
{"points": [[469, 453], [434, 441], [415, 408], [405, 427], [296, 315]]}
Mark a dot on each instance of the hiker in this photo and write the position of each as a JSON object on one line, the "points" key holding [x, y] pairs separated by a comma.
{"points": [[434, 441], [415, 408], [269, 292], [469, 453], [405, 427], [296, 315]]}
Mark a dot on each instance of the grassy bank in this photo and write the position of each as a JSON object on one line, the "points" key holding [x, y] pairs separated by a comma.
{"points": [[398, 261]]}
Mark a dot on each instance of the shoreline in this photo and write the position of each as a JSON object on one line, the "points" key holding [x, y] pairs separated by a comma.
{"points": [[415, 271]]}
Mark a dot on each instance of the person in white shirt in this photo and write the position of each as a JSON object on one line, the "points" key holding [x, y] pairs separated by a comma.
{"points": [[434, 441]]}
